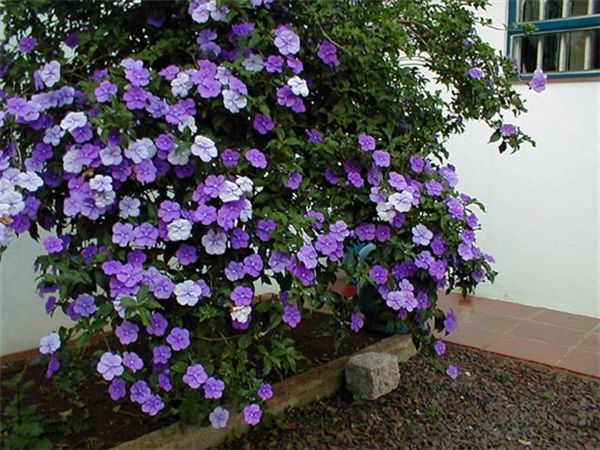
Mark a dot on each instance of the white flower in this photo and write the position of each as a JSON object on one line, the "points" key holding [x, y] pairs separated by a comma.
{"points": [[49, 344], [111, 156], [11, 203], [386, 211], [181, 85], [73, 120], [30, 181], [50, 73], [179, 230], [245, 184], [187, 293], [71, 162], [6, 235], [179, 157], [188, 123], [234, 101], [140, 150], [215, 243], [402, 202], [101, 183], [254, 63], [230, 192], [241, 313], [222, 76], [204, 148], [102, 199], [246, 213], [53, 135], [298, 85]]}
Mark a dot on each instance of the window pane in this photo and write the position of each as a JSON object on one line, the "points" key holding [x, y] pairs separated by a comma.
{"points": [[595, 50], [575, 50], [577, 7], [551, 52], [530, 10], [528, 61], [553, 9]]}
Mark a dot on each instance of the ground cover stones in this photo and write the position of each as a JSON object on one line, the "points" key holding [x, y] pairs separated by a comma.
{"points": [[372, 374]]}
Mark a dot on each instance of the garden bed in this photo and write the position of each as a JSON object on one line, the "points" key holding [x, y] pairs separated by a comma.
{"points": [[497, 402], [87, 418]]}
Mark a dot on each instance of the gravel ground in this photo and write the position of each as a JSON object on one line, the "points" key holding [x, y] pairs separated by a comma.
{"points": [[496, 402]]}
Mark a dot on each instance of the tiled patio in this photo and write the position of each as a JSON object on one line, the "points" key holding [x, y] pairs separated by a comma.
{"points": [[567, 341]]}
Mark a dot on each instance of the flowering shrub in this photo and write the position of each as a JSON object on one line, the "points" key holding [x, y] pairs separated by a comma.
{"points": [[179, 158]]}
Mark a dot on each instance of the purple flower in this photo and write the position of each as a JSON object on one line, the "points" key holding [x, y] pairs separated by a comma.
{"points": [[50, 73], [366, 142], [219, 417], [127, 332], [169, 211], [263, 124], [274, 64], [179, 339], [451, 322], [476, 73], [161, 354], [314, 136], [158, 324], [264, 228], [27, 44], [421, 235], [153, 405], [145, 235], [139, 392], [417, 164], [293, 181], [291, 316], [132, 361], [440, 347], [195, 376], [508, 130], [295, 64], [265, 392], [286, 41], [381, 158], [327, 52], [256, 158], [117, 389], [455, 208], [379, 274], [53, 366], [123, 234], [252, 414], [104, 91], [538, 81], [53, 244], [110, 366], [230, 157], [135, 98], [213, 388], [452, 371], [242, 296], [356, 321], [84, 305], [242, 29], [186, 254]]}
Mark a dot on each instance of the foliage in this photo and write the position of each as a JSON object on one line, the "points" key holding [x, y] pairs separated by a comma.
{"points": [[183, 152], [20, 427]]}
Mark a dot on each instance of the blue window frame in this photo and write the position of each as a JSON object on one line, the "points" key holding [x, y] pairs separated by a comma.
{"points": [[565, 41]]}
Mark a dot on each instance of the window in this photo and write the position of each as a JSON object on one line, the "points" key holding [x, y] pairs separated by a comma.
{"points": [[566, 40]]}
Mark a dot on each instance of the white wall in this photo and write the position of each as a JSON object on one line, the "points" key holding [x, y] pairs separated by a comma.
{"points": [[23, 319], [542, 203], [542, 223]]}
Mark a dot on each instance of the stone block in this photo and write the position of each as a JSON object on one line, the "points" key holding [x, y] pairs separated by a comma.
{"points": [[373, 374]]}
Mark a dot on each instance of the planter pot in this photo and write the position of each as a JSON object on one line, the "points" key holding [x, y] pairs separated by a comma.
{"points": [[372, 306]]}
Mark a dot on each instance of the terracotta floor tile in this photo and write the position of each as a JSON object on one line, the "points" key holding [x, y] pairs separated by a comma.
{"points": [[529, 349], [567, 320], [582, 362], [492, 321], [591, 342], [548, 333], [473, 336], [508, 309]]}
